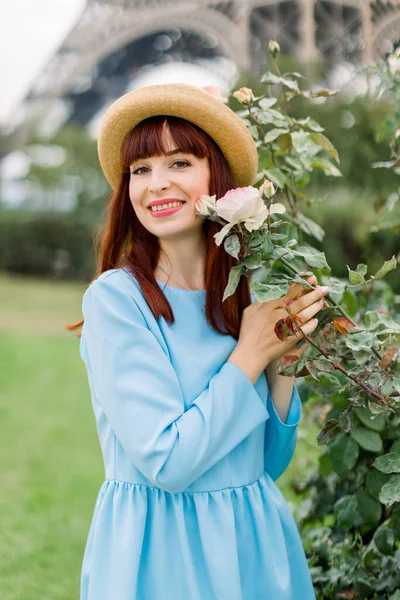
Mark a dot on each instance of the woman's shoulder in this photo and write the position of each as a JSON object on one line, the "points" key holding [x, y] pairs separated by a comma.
{"points": [[118, 285]]}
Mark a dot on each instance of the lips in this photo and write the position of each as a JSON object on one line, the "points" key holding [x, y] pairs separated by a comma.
{"points": [[165, 206], [164, 201], [167, 211]]}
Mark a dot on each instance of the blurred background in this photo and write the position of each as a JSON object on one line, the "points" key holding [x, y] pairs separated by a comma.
{"points": [[62, 62]]}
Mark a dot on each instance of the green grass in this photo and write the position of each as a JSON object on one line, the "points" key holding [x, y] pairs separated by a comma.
{"points": [[50, 459]]}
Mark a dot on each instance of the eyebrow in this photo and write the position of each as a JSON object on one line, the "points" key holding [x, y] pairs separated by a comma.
{"points": [[170, 153], [175, 151]]}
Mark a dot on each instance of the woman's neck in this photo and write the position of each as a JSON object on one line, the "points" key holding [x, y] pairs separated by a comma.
{"points": [[184, 261]]}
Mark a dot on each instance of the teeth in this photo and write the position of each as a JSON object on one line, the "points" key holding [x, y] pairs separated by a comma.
{"points": [[165, 206]]}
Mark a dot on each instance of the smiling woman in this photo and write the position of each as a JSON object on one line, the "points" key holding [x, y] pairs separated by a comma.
{"points": [[193, 434], [167, 165]]}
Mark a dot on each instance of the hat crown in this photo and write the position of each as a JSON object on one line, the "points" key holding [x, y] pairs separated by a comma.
{"points": [[186, 102]]}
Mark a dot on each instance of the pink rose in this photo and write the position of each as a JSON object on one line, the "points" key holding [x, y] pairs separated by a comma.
{"points": [[244, 95], [213, 90], [241, 205]]}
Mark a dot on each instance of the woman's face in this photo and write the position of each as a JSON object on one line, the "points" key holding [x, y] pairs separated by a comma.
{"points": [[175, 179]]}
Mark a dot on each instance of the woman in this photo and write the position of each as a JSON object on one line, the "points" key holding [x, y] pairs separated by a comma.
{"points": [[194, 422]]}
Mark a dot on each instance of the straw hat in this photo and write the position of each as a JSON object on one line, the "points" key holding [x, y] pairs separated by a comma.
{"points": [[184, 101]]}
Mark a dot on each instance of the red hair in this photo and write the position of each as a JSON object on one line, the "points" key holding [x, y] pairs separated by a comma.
{"points": [[125, 242]]}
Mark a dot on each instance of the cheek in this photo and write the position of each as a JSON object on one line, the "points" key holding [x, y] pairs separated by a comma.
{"points": [[201, 185], [133, 195]]}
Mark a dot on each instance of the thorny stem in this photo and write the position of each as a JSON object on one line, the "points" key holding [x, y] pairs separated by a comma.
{"points": [[257, 122], [283, 87], [339, 367], [331, 300]]}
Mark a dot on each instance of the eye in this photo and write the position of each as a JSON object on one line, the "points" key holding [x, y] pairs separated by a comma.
{"points": [[138, 171], [181, 163]]}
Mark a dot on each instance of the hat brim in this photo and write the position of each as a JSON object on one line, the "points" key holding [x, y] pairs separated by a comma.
{"points": [[184, 101]]}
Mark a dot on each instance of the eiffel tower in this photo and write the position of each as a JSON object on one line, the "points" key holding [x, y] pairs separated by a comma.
{"points": [[109, 34]]}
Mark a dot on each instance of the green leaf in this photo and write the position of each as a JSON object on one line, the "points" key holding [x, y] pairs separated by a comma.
{"points": [[362, 269], [271, 78], [319, 162], [264, 291], [388, 265], [381, 323], [233, 281], [365, 416], [277, 236], [367, 439], [284, 142], [350, 301], [311, 227], [388, 463], [322, 140], [273, 134], [253, 261], [267, 102], [370, 509], [303, 143], [345, 511], [325, 465], [273, 116], [375, 480], [312, 257], [355, 277], [362, 340], [276, 176], [343, 452], [330, 430], [232, 245], [384, 539], [395, 520], [267, 247], [310, 123]]}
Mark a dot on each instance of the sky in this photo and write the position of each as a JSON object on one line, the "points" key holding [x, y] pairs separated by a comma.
{"points": [[30, 32]]}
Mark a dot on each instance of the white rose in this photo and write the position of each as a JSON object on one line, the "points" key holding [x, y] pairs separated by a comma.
{"points": [[205, 205], [394, 63], [241, 205], [267, 189], [276, 208]]}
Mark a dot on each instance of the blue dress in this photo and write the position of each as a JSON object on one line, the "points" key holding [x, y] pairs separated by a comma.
{"points": [[189, 509]]}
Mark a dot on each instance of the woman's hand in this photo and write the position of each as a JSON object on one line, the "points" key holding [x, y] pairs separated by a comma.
{"points": [[258, 343], [312, 280]]}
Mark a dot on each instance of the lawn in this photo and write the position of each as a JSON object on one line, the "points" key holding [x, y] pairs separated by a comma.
{"points": [[50, 458]]}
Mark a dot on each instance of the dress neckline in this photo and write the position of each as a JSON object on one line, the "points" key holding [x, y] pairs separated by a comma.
{"points": [[180, 289]]}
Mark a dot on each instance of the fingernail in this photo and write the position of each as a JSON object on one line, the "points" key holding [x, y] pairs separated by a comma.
{"points": [[321, 302], [324, 289]]}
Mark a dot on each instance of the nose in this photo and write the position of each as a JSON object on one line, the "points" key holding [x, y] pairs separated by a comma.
{"points": [[159, 181]]}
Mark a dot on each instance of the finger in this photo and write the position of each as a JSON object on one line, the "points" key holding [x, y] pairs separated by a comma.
{"points": [[312, 280], [303, 349], [310, 326], [297, 289], [309, 298], [308, 313]]}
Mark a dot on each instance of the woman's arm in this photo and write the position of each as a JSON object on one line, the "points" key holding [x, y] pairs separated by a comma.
{"points": [[139, 391], [284, 408], [281, 389]]}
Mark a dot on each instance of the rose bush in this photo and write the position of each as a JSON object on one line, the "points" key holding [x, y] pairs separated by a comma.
{"points": [[350, 509]]}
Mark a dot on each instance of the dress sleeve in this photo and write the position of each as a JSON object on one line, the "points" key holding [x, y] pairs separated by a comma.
{"points": [[280, 438], [139, 391]]}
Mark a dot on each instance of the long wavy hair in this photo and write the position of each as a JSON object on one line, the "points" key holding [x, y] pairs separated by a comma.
{"points": [[125, 242]]}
